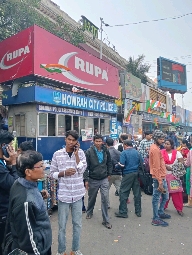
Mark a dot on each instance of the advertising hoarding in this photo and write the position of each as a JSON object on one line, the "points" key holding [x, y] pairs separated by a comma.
{"points": [[16, 56], [145, 96], [133, 88], [169, 104], [171, 76], [180, 115], [113, 128], [38, 52]]}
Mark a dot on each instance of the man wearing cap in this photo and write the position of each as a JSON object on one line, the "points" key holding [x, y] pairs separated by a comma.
{"points": [[158, 172], [129, 161]]}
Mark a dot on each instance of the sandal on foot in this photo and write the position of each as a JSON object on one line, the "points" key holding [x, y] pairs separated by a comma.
{"points": [[89, 216], [187, 205], [107, 225]]}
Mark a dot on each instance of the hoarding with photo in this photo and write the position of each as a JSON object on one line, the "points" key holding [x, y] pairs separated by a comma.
{"points": [[171, 76]]}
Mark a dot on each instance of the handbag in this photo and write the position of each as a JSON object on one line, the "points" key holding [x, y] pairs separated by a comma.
{"points": [[174, 184], [146, 162], [178, 170], [141, 172]]}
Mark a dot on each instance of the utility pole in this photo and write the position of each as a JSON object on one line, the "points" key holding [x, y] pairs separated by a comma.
{"points": [[101, 31]]}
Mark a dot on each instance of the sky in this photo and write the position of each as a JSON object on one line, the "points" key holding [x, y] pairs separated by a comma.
{"points": [[171, 38]]}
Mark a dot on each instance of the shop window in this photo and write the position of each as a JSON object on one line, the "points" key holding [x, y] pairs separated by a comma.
{"points": [[42, 124], [51, 124], [61, 125], [76, 123], [107, 126], [20, 124], [68, 122], [82, 123], [90, 123], [102, 126], [96, 126]]}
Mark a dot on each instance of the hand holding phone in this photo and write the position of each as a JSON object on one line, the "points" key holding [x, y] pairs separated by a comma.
{"points": [[9, 154], [76, 148]]}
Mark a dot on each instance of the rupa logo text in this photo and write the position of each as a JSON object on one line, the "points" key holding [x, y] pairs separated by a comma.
{"points": [[18, 53]]}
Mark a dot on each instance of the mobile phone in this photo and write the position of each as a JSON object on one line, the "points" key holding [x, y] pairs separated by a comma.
{"points": [[75, 147], [4, 149]]}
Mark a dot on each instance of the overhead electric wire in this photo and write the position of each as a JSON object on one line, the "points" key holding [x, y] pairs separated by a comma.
{"points": [[147, 21]]}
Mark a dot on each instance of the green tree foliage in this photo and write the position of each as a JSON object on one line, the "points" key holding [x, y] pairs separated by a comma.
{"points": [[16, 15], [138, 68]]}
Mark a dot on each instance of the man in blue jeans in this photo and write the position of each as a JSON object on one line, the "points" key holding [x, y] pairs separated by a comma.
{"points": [[158, 172], [68, 166]]}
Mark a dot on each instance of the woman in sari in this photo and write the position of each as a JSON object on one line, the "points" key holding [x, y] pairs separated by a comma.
{"points": [[171, 157]]}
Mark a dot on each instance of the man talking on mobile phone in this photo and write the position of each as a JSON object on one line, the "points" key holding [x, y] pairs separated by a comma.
{"points": [[68, 166], [158, 172], [8, 174]]}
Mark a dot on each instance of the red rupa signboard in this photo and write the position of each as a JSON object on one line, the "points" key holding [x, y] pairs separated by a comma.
{"points": [[35, 51]]}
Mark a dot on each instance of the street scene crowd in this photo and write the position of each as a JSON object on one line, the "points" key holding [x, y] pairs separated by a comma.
{"points": [[158, 165]]}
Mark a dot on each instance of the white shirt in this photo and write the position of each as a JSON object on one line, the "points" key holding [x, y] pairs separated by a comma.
{"points": [[71, 188]]}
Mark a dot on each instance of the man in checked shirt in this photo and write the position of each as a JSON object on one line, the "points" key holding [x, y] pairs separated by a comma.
{"points": [[68, 166]]}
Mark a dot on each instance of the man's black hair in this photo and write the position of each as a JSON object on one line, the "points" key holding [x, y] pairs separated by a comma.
{"points": [[5, 137], [148, 132], [27, 160], [25, 146], [124, 137], [128, 143], [109, 141], [73, 133], [97, 136]]}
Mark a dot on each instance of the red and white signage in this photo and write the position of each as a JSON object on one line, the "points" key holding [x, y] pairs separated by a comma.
{"points": [[38, 52]]}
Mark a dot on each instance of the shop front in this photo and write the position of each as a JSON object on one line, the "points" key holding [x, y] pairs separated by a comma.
{"points": [[43, 115]]}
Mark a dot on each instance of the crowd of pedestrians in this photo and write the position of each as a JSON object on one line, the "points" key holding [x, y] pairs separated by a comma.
{"points": [[24, 221]]}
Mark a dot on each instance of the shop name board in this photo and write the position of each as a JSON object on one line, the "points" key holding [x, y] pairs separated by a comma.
{"points": [[86, 103], [55, 109], [69, 111], [96, 115], [89, 26]]}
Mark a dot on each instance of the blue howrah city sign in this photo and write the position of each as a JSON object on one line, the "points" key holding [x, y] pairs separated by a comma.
{"points": [[60, 98]]}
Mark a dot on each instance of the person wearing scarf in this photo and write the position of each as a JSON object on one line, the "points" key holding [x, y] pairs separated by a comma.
{"points": [[172, 156]]}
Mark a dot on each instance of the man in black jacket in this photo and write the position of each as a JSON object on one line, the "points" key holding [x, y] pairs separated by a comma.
{"points": [[116, 175], [27, 216], [96, 176], [8, 174]]}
